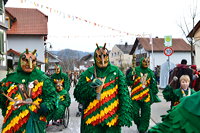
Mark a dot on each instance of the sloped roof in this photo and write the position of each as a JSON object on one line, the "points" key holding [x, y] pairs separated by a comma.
{"points": [[178, 45], [193, 31], [86, 57], [125, 48], [28, 21], [53, 56]]}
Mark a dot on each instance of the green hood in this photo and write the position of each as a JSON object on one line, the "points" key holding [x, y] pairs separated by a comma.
{"points": [[22, 77]]}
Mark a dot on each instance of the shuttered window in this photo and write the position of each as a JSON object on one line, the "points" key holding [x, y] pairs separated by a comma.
{"points": [[1, 42]]}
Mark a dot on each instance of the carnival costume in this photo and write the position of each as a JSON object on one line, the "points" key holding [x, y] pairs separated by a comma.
{"points": [[183, 118], [175, 95], [27, 97], [143, 93], [62, 85], [103, 92]]}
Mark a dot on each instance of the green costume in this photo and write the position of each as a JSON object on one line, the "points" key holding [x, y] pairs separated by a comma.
{"points": [[183, 118], [112, 109], [174, 95], [64, 97], [27, 118], [143, 94]]}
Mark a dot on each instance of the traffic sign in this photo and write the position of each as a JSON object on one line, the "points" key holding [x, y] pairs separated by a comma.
{"points": [[168, 51], [168, 41]]}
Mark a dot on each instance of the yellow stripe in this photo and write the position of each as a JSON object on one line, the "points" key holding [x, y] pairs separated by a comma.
{"points": [[113, 121], [37, 101], [15, 120], [140, 95], [11, 88], [103, 95], [148, 99], [136, 88], [37, 86], [87, 79], [103, 112]]}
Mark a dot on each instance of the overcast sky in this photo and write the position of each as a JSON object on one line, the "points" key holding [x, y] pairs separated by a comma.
{"points": [[135, 17]]}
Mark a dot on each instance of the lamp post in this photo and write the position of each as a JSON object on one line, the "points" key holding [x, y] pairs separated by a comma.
{"points": [[46, 54]]}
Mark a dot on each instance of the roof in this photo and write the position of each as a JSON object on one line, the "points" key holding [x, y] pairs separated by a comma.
{"points": [[125, 48], [179, 45], [53, 56], [194, 30], [11, 51], [29, 21], [86, 57]]}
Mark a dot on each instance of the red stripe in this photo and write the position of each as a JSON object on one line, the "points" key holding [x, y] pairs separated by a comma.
{"points": [[37, 93], [107, 84], [109, 114], [106, 99], [140, 89], [14, 90], [140, 98], [10, 112], [20, 123]]}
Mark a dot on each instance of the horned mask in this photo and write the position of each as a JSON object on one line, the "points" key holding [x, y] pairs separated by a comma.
{"points": [[28, 61], [146, 62], [101, 56]]}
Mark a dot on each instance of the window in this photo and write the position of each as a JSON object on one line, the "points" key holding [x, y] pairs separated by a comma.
{"points": [[1, 11], [1, 42], [7, 22]]}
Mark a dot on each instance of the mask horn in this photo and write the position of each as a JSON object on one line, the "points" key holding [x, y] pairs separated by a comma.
{"points": [[97, 46], [27, 51], [104, 47], [34, 52]]}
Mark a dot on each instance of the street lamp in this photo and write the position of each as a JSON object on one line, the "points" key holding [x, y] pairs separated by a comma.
{"points": [[46, 55]]}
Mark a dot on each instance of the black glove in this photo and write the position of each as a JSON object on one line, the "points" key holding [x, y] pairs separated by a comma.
{"points": [[43, 109]]}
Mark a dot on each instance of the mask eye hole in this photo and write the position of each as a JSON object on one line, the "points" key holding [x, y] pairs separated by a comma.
{"points": [[23, 57]]}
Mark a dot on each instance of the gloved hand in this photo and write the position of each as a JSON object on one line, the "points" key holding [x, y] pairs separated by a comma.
{"points": [[43, 109], [96, 83], [1, 91]]}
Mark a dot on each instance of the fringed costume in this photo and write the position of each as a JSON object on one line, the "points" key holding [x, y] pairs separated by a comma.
{"points": [[143, 93], [104, 111], [27, 98], [62, 85]]}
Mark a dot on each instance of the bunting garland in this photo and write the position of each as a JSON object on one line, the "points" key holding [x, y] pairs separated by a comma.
{"points": [[80, 19]]}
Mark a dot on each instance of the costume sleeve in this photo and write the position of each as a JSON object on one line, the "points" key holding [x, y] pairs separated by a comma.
{"points": [[125, 106], [168, 93], [67, 83], [49, 96], [3, 99], [153, 89], [129, 78], [83, 90]]}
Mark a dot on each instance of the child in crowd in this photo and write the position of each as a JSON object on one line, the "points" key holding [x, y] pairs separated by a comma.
{"points": [[175, 95]]}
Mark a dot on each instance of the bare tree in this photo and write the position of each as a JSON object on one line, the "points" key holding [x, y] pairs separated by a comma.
{"points": [[186, 28]]}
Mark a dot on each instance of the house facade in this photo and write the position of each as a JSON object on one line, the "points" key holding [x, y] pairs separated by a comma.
{"points": [[3, 42], [195, 34], [143, 48], [27, 28], [119, 56], [52, 60]]}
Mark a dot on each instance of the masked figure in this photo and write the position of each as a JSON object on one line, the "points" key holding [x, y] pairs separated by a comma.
{"points": [[183, 118], [62, 85], [143, 93], [27, 97], [103, 92]]}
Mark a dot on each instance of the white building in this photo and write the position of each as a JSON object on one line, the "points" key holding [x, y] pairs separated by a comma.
{"points": [[119, 55], [195, 34], [27, 28], [3, 43], [142, 48]]}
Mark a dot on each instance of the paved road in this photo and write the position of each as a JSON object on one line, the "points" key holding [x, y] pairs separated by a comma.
{"points": [[74, 123]]}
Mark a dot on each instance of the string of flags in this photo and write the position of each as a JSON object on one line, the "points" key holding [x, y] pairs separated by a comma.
{"points": [[77, 18]]}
